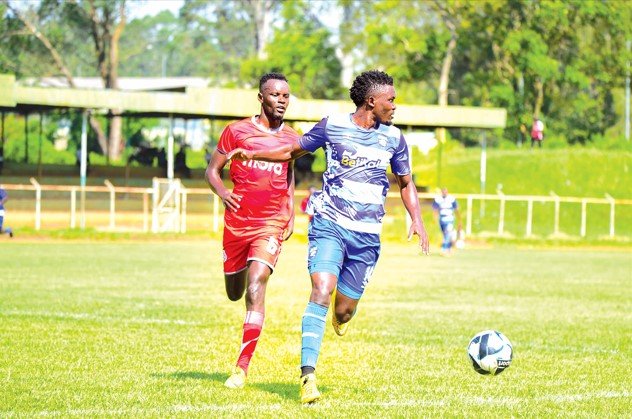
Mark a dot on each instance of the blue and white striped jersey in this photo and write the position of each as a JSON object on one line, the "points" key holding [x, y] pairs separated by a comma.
{"points": [[355, 182], [446, 206], [3, 194]]}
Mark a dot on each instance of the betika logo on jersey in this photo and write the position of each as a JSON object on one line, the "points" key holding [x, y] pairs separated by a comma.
{"points": [[277, 168], [354, 161]]}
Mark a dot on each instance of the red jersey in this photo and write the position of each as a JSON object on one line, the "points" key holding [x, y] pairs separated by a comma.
{"points": [[263, 186]]}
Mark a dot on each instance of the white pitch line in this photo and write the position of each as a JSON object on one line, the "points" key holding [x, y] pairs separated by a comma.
{"points": [[236, 408], [579, 397], [94, 317], [206, 408], [511, 401]]}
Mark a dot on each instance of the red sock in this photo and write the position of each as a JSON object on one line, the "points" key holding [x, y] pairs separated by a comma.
{"points": [[252, 329]]}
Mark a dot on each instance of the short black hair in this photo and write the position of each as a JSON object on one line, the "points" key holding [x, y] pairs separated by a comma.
{"points": [[366, 83], [270, 76]]}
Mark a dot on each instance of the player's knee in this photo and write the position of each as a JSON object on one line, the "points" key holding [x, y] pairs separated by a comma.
{"points": [[256, 293], [321, 294], [344, 314], [235, 290], [233, 297], [258, 278]]}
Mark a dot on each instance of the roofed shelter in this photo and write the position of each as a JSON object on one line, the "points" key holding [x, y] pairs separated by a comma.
{"points": [[201, 102], [218, 103]]}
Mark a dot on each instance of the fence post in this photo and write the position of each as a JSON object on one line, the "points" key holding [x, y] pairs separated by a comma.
{"points": [[556, 215], [73, 207], [177, 196], [468, 222], [582, 231], [612, 203], [183, 211], [146, 210], [112, 202], [529, 216], [501, 215], [154, 209], [38, 203]]}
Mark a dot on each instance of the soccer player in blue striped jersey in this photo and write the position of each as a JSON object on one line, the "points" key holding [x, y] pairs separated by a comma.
{"points": [[446, 213], [344, 234]]}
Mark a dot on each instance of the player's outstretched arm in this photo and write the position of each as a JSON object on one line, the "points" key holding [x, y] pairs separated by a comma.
{"points": [[289, 229], [284, 153], [408, 192]]}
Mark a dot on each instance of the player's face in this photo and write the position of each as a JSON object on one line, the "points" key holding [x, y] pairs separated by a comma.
{"points": [[384, 104], [275, 98]]}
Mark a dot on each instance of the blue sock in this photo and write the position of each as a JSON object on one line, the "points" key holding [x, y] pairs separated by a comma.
{"points": [[313, 327]]}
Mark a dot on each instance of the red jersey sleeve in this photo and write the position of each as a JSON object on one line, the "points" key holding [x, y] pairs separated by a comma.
{"points": [[227, 141]]}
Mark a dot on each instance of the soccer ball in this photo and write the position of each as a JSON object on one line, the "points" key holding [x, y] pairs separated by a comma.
{"points": [[490, 352]]}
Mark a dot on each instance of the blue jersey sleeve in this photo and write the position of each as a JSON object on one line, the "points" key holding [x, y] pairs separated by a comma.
{"points": [[399, 162], [315, 138]]}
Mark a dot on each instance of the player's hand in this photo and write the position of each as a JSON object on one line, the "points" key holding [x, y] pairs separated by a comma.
{"points": [[240, 154], [231, 201], [420, 231], [287, 233], [289, 229]]}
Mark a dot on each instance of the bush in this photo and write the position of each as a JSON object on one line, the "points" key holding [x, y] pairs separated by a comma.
{"points": [[611, 143], [15, 150], [554, 141]]}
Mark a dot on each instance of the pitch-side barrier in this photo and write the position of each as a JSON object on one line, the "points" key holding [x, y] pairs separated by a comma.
{"points": [[154, 199]]}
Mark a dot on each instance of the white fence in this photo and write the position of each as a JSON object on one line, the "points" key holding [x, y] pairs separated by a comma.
{"points": [[78, 212], [150, 215], [553, 199]]}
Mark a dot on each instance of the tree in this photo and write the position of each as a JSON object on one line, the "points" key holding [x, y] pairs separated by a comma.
{"points": [[261, 15], [235, 31], [451, 13], [559, 61], [59, 26], [302, 51], [391, 36]]}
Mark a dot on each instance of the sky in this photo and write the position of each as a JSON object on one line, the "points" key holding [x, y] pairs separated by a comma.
{"points": [[140, 8], [137, 8]]}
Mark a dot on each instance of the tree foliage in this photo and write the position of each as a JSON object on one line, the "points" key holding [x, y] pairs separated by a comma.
{"points": [[564, 61], [302, 51]]}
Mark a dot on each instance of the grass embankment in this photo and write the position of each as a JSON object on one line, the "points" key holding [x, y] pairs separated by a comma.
{"points": [[566, 172], [572, 172]]}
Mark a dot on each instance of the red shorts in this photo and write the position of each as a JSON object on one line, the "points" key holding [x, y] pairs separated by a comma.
{"points": [[241, 245]]}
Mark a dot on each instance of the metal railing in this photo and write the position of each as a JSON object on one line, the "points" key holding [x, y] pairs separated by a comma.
{"points": [[553, 198], [500, 198], [109, 188]]}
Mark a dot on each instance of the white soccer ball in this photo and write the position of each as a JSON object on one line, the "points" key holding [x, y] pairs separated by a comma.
{"points": [[490, 352]]}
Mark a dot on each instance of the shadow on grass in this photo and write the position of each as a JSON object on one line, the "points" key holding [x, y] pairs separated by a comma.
{"points": [[285, 390], [289, 391], [192, 375]]}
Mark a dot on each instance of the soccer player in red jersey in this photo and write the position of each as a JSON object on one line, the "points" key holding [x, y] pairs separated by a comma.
{"points": [[259, 211]]}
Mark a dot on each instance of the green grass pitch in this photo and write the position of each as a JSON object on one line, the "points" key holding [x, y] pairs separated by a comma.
{"points": [[143, 329]]}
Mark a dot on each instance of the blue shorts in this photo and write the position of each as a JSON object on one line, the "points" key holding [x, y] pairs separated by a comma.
{"points": [[350, 255]]}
